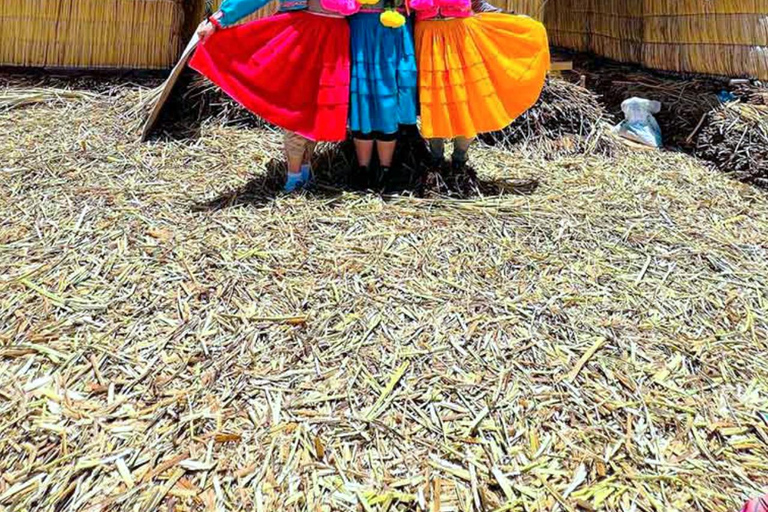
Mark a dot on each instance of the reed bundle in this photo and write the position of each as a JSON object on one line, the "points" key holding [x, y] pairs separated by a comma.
{"points": [[133, 34], [717, 37], [10, 99]]}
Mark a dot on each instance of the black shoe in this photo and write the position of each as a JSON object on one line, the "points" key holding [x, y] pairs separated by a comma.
{"points": [[359, 177], [458, 165], [382, 176], [437, 162]]}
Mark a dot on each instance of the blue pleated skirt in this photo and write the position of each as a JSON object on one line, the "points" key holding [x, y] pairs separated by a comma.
{"points": [[384, 85]]}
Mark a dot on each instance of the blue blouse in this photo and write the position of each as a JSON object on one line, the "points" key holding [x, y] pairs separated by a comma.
{"points": [[235, 10]]}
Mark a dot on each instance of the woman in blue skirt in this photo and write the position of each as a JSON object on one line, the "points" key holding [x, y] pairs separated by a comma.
{"points": [[384, 82]]}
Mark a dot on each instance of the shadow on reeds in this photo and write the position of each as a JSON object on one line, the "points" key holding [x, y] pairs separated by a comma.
{"points": [[412, 175], [193, 102]]}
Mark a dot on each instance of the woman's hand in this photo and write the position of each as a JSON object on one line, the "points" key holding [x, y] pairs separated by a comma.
{"points": [[205, 30]]}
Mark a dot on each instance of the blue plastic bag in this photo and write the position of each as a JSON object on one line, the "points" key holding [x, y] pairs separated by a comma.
{"points": [[726, 97]]}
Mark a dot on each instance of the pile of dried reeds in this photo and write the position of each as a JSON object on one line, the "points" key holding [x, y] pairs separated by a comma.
{"points": [[127, 34], [567, 119], [754, 95], [726, 37], [176, 336], [735, 138]]}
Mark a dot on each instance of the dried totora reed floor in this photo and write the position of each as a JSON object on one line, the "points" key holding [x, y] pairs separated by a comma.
{"points": [[175, 336]]}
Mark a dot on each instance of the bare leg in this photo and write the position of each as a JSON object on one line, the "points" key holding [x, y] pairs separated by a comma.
{"points": [[364, 151], [295, 151], [386, 151], [460, 149]]}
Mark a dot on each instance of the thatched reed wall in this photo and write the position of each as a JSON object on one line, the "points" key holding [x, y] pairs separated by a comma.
{"points": [[721, 37], [727, 37], [532, 8], [130, 34]]}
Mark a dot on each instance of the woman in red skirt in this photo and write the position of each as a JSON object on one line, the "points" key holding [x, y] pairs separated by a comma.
{"points": [[291, 69]]}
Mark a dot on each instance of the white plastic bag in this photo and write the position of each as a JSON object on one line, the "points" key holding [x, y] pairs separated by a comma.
{"points": [[639, 125]]}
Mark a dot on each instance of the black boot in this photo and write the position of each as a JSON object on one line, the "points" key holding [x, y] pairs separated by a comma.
{"points": [[437, 154], [459, 160], [360, 177], [382, 176]]}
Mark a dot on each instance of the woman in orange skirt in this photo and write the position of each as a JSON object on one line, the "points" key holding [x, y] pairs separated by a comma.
{"points": [[477, 72]]}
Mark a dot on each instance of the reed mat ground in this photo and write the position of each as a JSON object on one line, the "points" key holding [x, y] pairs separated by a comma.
{"points": [[174, 335]]}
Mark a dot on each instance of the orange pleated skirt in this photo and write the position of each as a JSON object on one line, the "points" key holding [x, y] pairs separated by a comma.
{"points": [[478, 74]]}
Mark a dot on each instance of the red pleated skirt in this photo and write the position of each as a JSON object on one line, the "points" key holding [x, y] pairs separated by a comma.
{"points": [[291, 69]]}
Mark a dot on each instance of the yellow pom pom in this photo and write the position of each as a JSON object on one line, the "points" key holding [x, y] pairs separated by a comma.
{"points": [[368, 2], [392, 19]]}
